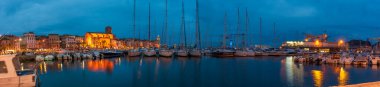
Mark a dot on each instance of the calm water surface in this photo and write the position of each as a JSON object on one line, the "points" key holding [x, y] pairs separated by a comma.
{"points": [[200, 72]]}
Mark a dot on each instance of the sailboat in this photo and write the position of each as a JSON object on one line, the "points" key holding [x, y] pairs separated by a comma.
{"points": [[182, 51], [165, 52], [249, 52], [149, 51], [195, 52], [240, 52], [134, 52], [223, 51], [261, 51]]}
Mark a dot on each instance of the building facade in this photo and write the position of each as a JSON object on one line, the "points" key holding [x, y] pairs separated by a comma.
{"points": [[29, 41], [316, 44], [42, 42], [10, 44], [54, 42], [99, 40], [69, 42]]}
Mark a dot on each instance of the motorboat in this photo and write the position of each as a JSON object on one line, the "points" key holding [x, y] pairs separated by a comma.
{"points": [[10, 77], [40, 58], [49, 58], [375, 60]]}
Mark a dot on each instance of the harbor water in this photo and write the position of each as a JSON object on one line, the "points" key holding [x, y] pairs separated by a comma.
{"points": [[200, 72]]}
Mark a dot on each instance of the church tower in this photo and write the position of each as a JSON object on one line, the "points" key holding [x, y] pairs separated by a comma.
{"points": [[109, 30]]}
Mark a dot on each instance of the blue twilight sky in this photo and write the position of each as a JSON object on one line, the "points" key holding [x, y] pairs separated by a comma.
{"points": [[345, 19]]}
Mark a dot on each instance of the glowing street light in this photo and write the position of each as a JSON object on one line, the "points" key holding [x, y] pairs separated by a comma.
{"points": [[317, 43], [340, 42]]}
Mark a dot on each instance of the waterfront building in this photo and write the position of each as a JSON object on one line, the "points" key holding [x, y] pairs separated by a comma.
{"points": [[136, 43], [9, 44], [79, 40], [54, 42], [29, 41], [99, 40], [68, 42], [42, 42], [359, 45], [316, 44]]}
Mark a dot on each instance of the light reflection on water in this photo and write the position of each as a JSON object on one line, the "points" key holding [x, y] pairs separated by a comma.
{"points": [[169, 72]]}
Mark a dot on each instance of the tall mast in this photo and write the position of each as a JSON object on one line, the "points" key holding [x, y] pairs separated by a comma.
{"points": [[183, 22], [166, 20], [134, 22], [238, 27], [225, 30], [246, 27], [274, 33], [198, 33], [149, 23], [134, 18], [261, 33]]}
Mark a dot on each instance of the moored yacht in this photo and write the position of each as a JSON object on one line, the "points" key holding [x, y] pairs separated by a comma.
{"points": [[134, 53], [150, 52], [195, 53], [240, 53], [15, 78], [223, 53], [182, 53], [166, 53]]}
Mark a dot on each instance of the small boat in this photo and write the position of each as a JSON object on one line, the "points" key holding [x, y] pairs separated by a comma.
{"points": [[150, 53], [223, 53], [134, 53], [195, 53], [67, 57], [77, 56], [110, 54], [182, 53], [13, 77], [96, 54], [60, 56], [375, 60], [240, 53], [40, 58], [49, 58], [360, 61], [166, 53]]}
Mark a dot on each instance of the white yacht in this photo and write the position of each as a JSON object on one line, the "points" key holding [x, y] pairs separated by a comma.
{"points": [[134, 53], [166, 53], [150, 52], [49, 58], [10, 77], [182, 53], [195, 53]]}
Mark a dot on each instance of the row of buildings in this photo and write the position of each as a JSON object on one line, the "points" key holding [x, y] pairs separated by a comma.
{"points": [[54, 42], [319, 43]]}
